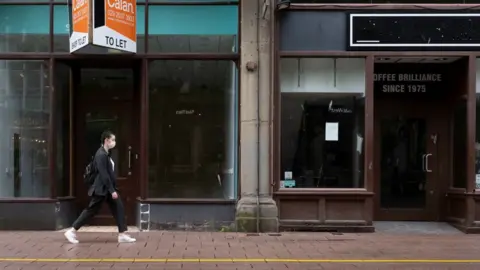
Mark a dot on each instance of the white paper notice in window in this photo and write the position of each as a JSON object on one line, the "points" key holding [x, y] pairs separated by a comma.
{"points": [[331, 131], [359, 143]]}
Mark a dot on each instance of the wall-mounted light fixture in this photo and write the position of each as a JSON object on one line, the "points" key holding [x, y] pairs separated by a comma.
{"points": [[283, 4]]}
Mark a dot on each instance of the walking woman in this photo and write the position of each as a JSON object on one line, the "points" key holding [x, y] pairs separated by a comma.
{"points": [[103, 190]]}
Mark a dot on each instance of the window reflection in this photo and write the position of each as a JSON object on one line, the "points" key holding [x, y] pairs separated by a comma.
{"points": [[460, 144], [192, 129], [403, 146], [214, 28], [24, 28], [477, 143], [62, 126], [24, 118], [192, 43], [322, 140]]}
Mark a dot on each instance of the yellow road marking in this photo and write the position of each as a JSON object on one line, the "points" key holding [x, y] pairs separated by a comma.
{"points": [[233, 260]]}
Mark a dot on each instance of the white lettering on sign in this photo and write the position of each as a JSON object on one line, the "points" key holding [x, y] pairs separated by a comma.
{"points": [[393, 88], [121, 5], [185, 112], [79, 42], [79, 4], [411, 82], [80, 11], [400, 88], [331, 109], [339, 110], [385, 77], [117, 42]]}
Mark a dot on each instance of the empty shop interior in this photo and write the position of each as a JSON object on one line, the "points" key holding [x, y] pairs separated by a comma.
{"points": [[173, 106]]}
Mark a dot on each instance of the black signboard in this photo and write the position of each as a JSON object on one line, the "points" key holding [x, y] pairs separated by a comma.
{"points": [[414, 31]]}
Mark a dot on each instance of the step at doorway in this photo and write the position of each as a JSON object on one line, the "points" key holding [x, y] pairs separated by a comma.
{"points": [[414, 227]]}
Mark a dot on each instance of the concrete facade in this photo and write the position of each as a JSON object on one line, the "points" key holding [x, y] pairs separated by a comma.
{"points": [[256, 210]]}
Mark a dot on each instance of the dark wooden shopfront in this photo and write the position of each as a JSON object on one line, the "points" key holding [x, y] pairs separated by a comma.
{"points": [[440, 183]]}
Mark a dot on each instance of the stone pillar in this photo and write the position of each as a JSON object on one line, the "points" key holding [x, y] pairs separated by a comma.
{"points": [[256, 210]]}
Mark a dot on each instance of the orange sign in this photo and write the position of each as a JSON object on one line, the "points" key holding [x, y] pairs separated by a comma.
{"points": [[121, 17], [80, 15], [115, 25], [80, 19]]}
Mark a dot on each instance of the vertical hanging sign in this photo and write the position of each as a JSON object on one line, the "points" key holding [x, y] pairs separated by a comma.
{"points": [[114, 24], [80, 19]]}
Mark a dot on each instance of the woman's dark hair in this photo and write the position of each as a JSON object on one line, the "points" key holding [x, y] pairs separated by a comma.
{"points": [[107, 134]]}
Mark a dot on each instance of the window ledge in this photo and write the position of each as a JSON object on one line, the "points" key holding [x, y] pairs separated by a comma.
{"points": [[66, 198], [457, 191], [27, 200], [185, 201], [325, 191]]}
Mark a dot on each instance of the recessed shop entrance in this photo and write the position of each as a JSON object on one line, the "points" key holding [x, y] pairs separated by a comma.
{"points": [[415, 101], [106, 96], [409, 159]]}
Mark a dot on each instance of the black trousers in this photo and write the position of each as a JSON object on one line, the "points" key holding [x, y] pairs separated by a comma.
{"points": [[116, 208]]}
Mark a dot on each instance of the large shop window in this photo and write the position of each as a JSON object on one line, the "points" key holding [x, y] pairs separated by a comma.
{"points": [[61, 30], [192, 129], [24, 28], [24, 118], [477, 130], [193, 29], [62, 129], [477, 134], [322, 122], [460, 144]]}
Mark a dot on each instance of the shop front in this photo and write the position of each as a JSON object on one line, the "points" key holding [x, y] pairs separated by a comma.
{"points": [[377, 116], [172, 101]]}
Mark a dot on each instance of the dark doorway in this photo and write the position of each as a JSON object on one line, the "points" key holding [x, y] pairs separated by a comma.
{"points": [[107, 98], [408, 141], [414, 110]]}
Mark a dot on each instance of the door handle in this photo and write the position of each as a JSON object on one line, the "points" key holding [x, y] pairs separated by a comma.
{"points": [[426, 163], [129, 160], [423, 163], [129, 157]]}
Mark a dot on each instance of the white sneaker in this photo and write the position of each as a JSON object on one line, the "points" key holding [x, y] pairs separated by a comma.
{"points": [[125, 238], [71, 236]]}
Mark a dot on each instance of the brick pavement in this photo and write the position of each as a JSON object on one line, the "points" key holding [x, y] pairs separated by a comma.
{"points": [[248, 252]]}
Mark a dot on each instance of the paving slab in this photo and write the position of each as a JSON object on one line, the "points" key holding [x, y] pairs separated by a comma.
{"points": [[210, 250]]}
